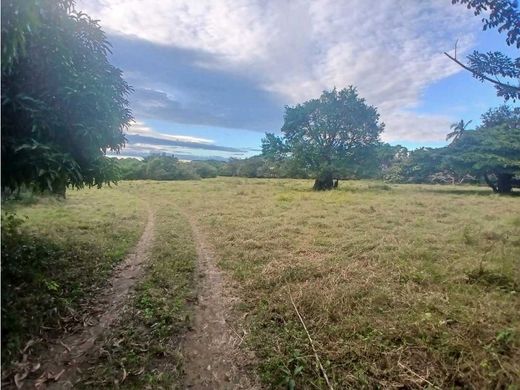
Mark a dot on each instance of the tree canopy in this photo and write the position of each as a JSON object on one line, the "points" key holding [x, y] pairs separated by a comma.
{"points": [[333, 130], [490, 152], [496, 67], [63, 104]]}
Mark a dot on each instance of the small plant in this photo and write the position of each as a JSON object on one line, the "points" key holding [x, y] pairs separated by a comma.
{"points": [[293, 370], [504, 341]]}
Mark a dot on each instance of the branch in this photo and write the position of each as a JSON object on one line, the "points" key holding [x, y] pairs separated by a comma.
{"points": [[417, 375], [481, 75], [312, 343]]}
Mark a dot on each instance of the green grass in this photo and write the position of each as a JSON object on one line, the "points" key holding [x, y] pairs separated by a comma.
{"points": [[395, 282], [58, 258], [141, 349]]}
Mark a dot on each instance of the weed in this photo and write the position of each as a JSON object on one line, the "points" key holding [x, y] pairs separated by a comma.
{"points": [[292, 370]]}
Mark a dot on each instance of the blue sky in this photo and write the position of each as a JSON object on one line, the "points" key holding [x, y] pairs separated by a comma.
{"points": [[211, 77]]}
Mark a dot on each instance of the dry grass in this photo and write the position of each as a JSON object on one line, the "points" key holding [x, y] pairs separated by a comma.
{"points": [[401, 286], [411, 286]]}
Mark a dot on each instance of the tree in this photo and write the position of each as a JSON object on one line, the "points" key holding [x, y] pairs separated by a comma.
{"points": [[458, 130], [63, 104], [167, 167], [501, 116], [491, 66], [327, 132], [490, 152], [204, 169]]}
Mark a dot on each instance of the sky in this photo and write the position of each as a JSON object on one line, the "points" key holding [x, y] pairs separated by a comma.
{"points": [[211, 77]]}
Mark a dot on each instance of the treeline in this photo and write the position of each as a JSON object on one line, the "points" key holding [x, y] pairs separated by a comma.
{"points": [[373, 163], [165, 167], [489, 154]]}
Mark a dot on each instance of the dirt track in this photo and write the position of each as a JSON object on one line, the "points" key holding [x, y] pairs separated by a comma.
{"points": [[59, 363], [213, 359]]}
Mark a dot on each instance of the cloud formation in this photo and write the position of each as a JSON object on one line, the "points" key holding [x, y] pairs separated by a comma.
{"points": [[143, 140], [140, 129], [235, 64]]}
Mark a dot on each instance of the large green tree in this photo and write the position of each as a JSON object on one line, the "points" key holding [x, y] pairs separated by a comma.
{"points": [[63, 104], [496, 67], [492, 151], [325, 133]]}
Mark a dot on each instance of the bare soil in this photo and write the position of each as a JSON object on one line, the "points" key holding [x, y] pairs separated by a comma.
{"points": [[213, 358], [60, 362]]}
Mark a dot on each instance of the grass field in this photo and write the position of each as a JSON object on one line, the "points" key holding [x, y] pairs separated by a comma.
{"points": [[70, 248], [401, 285]]}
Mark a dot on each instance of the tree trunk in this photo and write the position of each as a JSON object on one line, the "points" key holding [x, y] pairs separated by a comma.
{"points": [[505, 183], [490, 183], [59, 189], [324, 182]]}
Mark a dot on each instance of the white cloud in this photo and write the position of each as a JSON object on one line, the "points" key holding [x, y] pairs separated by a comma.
{"points": [[139, 128], [390, 49]]}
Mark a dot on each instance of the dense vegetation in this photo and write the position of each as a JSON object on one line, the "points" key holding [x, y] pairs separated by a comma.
{"points": [[63, 104], [490, 153], [165, 167]]}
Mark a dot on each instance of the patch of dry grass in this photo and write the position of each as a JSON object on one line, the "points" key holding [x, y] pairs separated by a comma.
{"points": [[405, 285]]}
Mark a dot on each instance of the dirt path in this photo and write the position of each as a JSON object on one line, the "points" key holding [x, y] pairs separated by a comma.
{"points": [[60, 362], [213, 359]]}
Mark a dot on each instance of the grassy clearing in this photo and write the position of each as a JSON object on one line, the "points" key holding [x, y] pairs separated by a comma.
{"points": [[399, 285], [141, 349], [409, 286], [58, 258]]}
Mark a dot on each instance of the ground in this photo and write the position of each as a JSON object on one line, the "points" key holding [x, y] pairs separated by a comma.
{"points": [[401, 285]]}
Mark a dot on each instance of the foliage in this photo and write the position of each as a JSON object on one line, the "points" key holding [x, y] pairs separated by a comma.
{"points": [[491, 152], [276, 162], [204, 170], [418, 167], [488, 151], [63, 104], [504, 15], [458, 130], [501, 116], [333, 130], [161, 167]]}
